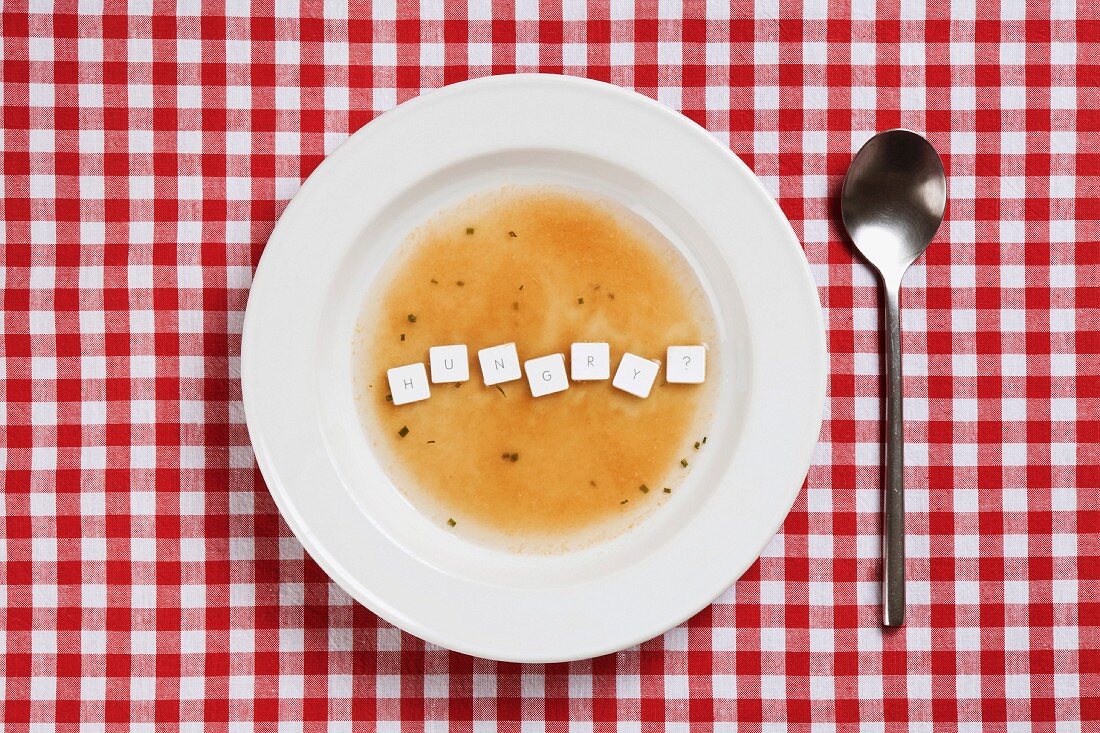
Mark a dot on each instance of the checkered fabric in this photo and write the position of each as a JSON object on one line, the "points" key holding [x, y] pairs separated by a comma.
{"points": [[146, 578]]}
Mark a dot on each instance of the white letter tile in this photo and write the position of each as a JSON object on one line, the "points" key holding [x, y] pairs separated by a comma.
{"points": [[546, 375], [635, 375], [449, 363], [499, 364], [686, 364], [408, 383], [590, 361]]}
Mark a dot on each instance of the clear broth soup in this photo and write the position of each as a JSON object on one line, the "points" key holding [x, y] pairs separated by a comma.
{"points": [[543, 267]]}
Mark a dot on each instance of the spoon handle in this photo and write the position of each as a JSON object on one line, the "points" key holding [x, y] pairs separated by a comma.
{"points": [[893, 501]]}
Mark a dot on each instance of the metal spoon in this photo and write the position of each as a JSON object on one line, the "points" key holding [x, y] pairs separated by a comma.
{"points": [[892, 204]]}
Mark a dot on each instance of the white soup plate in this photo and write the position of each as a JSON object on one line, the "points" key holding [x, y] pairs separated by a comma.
{"points": [[296, 367]]}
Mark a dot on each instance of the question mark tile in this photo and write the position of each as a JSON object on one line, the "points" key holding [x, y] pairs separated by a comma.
{"points": [[635, 375], [546, 375], [589, 361], [686, 364]]}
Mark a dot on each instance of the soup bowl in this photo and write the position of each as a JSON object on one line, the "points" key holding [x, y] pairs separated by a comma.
{"points": [[297, 367]]}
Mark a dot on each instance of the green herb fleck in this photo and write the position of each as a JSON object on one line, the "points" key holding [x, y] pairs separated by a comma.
{"points": [[469, 230], [697, 444], [704, 440], [412, 318], [644, 489], [389, 398], [624, 501], [684, 462], [433, 281], [430, 442], [451, 522], [402, 337], [403, 431], [458, 384], [521, 287], [580, 301], [506, 456], [512, 234], [514, 457], [501, 390], [668, 490]]}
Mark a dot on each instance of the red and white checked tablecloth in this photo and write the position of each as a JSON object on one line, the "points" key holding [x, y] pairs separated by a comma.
{"points": [[146, 578]]}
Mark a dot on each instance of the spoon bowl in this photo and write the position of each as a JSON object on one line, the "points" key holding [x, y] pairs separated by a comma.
{"points": [[892, 203], [893, 199]]}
